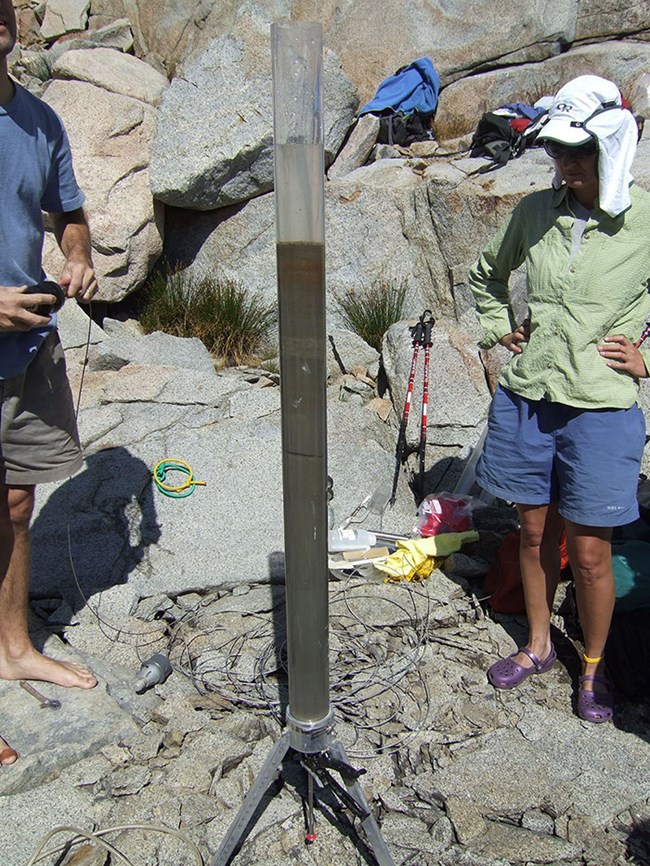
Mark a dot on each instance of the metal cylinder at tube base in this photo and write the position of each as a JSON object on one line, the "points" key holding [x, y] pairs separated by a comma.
{"points": [[300, 234]]}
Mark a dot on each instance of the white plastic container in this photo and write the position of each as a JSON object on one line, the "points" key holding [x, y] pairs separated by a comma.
{"points": [[350, 539]]}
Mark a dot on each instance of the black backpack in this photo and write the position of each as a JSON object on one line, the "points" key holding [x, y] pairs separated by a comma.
{"points": [[405, 103], [496, 139], [395, 127]]}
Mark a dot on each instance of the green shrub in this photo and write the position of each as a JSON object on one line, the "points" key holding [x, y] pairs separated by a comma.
{"points": [[370, 312], [232, 323]]}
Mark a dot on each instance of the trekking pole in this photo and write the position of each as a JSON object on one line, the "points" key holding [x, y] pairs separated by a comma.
{"points": [[416, 334], [427, 326], [645, 333]]}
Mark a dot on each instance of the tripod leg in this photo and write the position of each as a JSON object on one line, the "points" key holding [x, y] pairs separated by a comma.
{"points": [[251, 801], [370, 826], [310, 835]]}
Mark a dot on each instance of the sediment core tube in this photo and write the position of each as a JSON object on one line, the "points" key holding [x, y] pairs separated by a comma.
{"points": [[300, 233]]}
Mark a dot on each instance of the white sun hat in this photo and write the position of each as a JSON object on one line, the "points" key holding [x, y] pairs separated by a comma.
{"points": [[590, 108], [576, 103]]}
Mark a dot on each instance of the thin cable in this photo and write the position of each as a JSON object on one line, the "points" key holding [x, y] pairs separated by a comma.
{"points": [[84, 363], [83, 835], [96, 836]]}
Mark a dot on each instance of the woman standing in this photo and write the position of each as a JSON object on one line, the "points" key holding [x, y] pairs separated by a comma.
{"points": [[565, 431]]}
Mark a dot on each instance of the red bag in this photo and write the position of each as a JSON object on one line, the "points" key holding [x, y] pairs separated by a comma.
{"points": [[503, 581], [520, 123], [444, 512]]}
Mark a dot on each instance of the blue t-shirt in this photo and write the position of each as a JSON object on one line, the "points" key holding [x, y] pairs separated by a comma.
{"points": [[36, 175]]}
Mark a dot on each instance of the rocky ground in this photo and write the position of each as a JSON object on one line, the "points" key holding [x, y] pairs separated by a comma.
{"points": [[456, 773]]}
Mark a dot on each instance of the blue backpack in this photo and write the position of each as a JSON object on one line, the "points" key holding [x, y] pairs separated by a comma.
{"points": [[405, 103]]}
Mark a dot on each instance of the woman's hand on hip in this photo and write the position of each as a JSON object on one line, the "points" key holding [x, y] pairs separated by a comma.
{"points": [[623, 355], [521, 334]]}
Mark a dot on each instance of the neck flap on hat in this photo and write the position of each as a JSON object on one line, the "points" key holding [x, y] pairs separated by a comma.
{"points": [[616, 131]]}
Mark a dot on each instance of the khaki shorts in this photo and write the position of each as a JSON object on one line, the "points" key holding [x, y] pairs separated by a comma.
{"points": [[39, 441]]}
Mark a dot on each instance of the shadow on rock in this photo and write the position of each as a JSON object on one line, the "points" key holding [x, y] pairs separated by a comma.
{"points": [[443, 475], [93, 530], [638, 844], [628, 655], [277, 578]]}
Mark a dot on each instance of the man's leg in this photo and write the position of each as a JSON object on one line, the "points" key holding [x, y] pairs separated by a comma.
{"points": [[19, 659]]}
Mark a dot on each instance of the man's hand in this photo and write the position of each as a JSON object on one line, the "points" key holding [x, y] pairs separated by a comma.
{"points": [[623, 355], [16, 313], [521, 334], [78, 279], [73, 236]]}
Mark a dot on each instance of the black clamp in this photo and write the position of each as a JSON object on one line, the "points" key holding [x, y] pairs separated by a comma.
{"points": [[319, 764], [47, 287]]}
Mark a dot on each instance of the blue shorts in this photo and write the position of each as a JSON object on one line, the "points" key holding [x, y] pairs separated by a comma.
{"points": [[586, 460]]}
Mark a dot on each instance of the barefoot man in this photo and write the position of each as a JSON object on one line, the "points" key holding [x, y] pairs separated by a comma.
{"points": [[38, 435]]}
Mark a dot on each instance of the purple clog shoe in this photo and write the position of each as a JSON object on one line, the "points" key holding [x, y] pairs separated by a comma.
{"points": [[596, 707], [506, 673]]}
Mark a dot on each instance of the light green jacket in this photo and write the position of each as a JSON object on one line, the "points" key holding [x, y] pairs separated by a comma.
{"points": [[572, 304]]}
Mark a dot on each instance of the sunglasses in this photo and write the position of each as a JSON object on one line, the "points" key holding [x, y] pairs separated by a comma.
{"points": [[582, 151]]}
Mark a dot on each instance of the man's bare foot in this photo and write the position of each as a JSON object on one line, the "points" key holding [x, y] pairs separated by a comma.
{"points": [[7, 754], [35, 666]]}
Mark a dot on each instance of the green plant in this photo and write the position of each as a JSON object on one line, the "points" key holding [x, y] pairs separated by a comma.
{"points": [[232, 323], [269, 360], [370, 312]]}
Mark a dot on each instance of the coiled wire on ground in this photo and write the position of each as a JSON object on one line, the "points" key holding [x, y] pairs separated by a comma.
{"points": [[175, 491], [358, 677]]}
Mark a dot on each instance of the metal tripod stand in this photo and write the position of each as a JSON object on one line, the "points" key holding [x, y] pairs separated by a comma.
{"points": [[320, 753]]}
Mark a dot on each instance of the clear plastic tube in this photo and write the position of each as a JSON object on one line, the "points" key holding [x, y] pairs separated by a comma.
{"points": [[299, 196]]}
